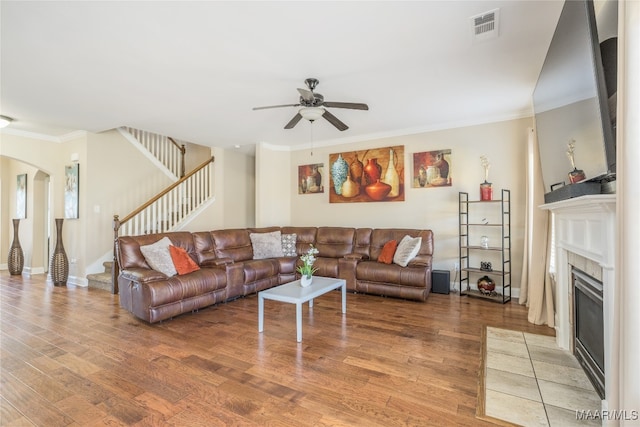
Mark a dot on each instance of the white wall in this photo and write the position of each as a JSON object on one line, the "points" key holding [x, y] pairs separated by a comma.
{"points": [[273, 186], [504, 143]]}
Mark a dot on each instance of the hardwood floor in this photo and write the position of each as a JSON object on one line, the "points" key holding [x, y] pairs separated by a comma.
{"points": [[71, 356]]}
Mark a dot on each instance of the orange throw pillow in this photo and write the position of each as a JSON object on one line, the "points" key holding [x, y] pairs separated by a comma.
{"points": [[182, 261], [388, 250]]}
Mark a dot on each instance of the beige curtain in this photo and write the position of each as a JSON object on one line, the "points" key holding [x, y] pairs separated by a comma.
{"points": [[536, 287]]}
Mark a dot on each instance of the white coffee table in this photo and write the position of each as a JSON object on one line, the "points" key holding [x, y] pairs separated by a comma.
{"points": [[293, 293]]}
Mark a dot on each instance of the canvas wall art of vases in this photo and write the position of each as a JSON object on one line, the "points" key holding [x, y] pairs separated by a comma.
{"points": [[372, 175], [432, 169]]}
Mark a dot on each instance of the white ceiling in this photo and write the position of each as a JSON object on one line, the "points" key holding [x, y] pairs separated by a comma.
{"points": [[194, 70]]}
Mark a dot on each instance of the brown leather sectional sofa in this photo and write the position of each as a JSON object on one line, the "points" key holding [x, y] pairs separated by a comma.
{"points": [[228, 270]]}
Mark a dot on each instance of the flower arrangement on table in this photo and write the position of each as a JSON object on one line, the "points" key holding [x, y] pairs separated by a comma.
{"points": [[307, 269]]}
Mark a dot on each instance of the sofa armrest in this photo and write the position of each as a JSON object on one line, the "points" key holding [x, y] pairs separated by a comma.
{"points": [[420, 261], [357, 257], [142, 275], [221, 261]]}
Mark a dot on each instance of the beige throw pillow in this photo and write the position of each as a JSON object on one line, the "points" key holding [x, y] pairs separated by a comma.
{"points": [[158, 256], [407, 250], [266, 245]]}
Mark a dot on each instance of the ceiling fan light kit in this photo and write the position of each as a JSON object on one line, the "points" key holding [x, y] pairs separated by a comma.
{"points": [[312, 103], [311, 113]]}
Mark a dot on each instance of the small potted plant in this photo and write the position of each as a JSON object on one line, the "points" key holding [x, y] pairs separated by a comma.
{"points": [[306, 270]]}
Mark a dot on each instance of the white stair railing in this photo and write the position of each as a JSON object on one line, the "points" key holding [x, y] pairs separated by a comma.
{"points": [[164, 148], [167, 209]]}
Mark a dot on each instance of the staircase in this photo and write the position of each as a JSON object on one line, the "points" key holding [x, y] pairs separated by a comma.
{"points": [[169, 208], [102, 281]]}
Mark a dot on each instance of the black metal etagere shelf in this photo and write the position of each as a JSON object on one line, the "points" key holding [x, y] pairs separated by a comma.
{"points": [[470, 225]]}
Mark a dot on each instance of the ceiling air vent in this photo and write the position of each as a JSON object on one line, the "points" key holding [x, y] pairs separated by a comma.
{"points": [[485, 25]]}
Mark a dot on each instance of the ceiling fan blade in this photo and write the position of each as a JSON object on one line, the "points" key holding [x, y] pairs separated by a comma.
{"points": [[334, 121], [306, 94], [351, 105], [293, 121], [275, 106]]}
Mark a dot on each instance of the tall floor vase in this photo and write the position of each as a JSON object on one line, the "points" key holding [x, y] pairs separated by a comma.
{"points": [[16, 256], [59, 262]]}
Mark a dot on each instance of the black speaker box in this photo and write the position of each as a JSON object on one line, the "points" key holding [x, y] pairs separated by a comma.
{"points": [[440, 281]]}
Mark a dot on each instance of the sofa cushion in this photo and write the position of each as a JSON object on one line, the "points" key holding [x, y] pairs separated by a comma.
{"points": [[334, 242], [266, 245], [233, 243], [158, 257], [393, 274], [388, 251], [407, 250], [257, 270], [182, 261], [289, 244], [305, 236]]}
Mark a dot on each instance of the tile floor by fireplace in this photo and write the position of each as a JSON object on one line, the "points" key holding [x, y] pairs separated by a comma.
{"points": [[532, 382]]}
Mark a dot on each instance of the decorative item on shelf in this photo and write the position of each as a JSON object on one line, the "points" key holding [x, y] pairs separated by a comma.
{"points": [[487, 286], [306, 270], [576, 175], [350, 188], [372, 171], [378, 191], [339, 172], [484, 242], [59, 262], [486, 192], [16, 256], [485, 266], [391, 176]]}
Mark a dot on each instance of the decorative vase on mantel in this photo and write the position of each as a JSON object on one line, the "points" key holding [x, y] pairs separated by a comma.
{"points": [[59, 261], [16, 256]]}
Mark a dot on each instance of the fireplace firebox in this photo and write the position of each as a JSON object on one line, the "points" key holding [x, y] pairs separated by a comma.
{"points": [[589, 326]]}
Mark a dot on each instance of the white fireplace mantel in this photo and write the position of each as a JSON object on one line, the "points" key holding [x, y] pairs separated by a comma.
{"points": [[585, 226]]}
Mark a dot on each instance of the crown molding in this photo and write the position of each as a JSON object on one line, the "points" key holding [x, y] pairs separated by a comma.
{"points": [[411, 131], [44, 137]]}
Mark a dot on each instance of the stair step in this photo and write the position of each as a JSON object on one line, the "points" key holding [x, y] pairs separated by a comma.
{"points": [[108, 265], [100, 281]]}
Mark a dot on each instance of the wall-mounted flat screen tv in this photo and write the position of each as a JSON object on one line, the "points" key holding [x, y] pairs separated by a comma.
{"points": [[571, 101]]}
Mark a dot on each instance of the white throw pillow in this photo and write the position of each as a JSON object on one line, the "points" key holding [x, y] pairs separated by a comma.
{"points": [[158, 257], [266, 245], [407, 250]]}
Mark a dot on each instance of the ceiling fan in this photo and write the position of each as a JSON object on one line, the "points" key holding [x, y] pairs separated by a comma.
{"points": [[312, 104]]}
